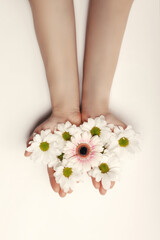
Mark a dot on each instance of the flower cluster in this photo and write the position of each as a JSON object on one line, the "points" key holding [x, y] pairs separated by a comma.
{"points": [[94, 148]]}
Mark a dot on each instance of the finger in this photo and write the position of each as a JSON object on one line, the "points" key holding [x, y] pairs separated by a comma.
{"points": [[95, 183], [50, 171], [70, 190], [102, 190], [62, 193], [121, 124], [55, 186], [36, 131], [112, 184], [27, 154], [29, 139]]}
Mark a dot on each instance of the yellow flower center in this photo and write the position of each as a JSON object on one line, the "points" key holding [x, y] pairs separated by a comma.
{"points": [[123, 142], [44, 146], [104, 168], [66, 136], [67, 172], [95, 131]]}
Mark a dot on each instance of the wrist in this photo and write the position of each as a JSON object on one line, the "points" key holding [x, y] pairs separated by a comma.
{"points": [[64, 92], [94, 107], [65, 106], [65, 114]]}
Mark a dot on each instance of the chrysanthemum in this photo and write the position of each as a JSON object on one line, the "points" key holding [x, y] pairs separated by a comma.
{"points": [[66, 130], [125, 139], [83, 151], [66, 176], [107, 171], [57, 160], [45, 147], [108, 151], [99, 127]]}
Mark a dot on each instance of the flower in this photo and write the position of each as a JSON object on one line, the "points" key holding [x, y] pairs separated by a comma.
{"points": [[56, 160], [99, 127], [125, 139], [45, 147], [94, 148], [66, 130], [66, 176], [107, 171], [83, 151], [108, 150]]}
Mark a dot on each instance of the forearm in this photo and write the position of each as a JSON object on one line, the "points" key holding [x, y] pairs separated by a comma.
{"points": [[105, 29], [55, 30]]}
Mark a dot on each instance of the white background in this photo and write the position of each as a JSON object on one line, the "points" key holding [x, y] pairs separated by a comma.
{"points": [[29, 209]]}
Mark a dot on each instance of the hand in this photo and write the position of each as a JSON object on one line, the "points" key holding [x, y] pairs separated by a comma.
{"points": [[98, 185], [110, 118], [51, 123]]}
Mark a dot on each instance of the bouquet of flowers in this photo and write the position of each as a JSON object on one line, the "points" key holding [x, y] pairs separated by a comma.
{"points": [[94, 147]]}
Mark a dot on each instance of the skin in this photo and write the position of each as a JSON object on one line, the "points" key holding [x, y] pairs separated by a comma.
{"points": [[106, 25], [51, 123], [107, 21], [54, 23]]}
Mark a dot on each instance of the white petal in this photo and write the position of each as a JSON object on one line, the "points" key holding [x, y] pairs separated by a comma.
{"points": [[86, 136], [37, 138], [106, 183], [67, 125]]}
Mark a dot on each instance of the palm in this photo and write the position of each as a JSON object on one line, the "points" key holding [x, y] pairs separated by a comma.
{"points": [[110, 118], [51, 123]]}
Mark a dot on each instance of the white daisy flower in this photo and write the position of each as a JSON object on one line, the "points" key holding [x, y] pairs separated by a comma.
{"points": [[108, 151], [67, 176], [125, 139], [107, 171], [83, 151], [66, 130], [45, 147], [99, 127], [57, 160]]}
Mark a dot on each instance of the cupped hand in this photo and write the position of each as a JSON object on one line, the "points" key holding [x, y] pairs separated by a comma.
{"points": [[51, 123]]}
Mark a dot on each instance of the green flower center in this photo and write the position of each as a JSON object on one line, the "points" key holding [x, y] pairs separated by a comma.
{"points": [[44, 146], [95, 131], [104, 167], [66, 136], [104, 148], [123, 142], [67, 172], [61, 157]]}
